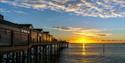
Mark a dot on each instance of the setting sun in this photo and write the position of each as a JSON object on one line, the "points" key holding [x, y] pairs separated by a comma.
{"points": [[81, 40]]}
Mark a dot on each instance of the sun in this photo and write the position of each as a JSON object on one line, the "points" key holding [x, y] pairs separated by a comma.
{"points": [[80, 40]]}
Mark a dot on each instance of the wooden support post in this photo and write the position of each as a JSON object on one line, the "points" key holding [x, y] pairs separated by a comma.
{"points": [[47, 50], [53, 48], [40, 53], [7, 57], [36, 54], [29, 52], [44, 49], [23, 57], [1, 57], [19, 57], [27, 60], [50, 47], [17, 60], [29, 55], [13, 57]]}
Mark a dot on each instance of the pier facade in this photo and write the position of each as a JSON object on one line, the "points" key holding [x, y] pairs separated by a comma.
{"points": [[22, 43]]}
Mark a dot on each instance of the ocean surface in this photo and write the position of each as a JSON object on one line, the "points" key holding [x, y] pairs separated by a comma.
{"points": [[93, 53]]}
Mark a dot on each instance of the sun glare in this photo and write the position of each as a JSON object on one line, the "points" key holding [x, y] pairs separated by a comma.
{"points": [[81, 40]]}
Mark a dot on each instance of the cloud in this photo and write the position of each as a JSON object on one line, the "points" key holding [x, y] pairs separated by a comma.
{"points": [[4, 10], [19, 12], [94, 8], [83, 31], [64, 28], [10, 11]]}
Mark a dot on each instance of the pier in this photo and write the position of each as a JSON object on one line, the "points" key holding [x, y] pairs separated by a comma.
{"points": [[22, 43]]}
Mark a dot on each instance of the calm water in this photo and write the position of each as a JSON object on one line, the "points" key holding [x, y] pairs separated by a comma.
{"points": [[93, 53]]}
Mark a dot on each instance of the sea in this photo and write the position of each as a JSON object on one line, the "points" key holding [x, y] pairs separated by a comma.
{"points": [[93, 53]]}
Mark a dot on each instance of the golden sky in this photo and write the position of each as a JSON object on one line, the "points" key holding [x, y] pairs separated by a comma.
{"points": [[81, 35]]}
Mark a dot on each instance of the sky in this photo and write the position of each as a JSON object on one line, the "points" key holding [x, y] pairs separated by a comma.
{"points": [[77, 21]]}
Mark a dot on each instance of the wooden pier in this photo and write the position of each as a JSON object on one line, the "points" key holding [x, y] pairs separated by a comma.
{"points": [[32, 53], [22, 43]]}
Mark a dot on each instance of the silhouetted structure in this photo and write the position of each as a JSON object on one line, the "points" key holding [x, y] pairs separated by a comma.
{"points": [[1, 17], [21, 43]]}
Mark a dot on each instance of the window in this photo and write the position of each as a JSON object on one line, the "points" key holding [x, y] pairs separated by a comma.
{"points": [[25, 31]]}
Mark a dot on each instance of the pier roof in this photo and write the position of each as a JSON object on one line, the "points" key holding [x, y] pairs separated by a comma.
{"points": [[46, 32], [8, 23], [26, 25], [40, 30]]}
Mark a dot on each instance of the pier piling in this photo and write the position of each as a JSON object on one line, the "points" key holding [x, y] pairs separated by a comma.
{"points": [[32, 54]]}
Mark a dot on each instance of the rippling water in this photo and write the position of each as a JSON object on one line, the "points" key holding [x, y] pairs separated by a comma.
{"points": [[93, 53]]}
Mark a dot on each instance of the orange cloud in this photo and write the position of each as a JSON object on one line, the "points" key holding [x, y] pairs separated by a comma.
{"points": [[83, 31]]}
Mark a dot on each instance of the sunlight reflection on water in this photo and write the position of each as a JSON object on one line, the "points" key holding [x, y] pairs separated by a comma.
{"points": [[83, 49], [94, 53]]}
